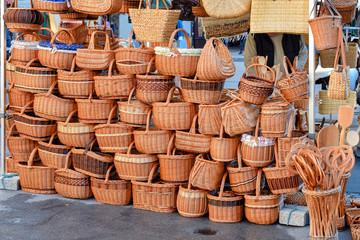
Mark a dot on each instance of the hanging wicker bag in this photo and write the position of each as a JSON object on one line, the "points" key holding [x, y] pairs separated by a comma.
{"points": [[72, 184], [347, 10], [157, 197], [174, 168], [173, 115], [262, 209], [223, 149], [115, 137], [78, 30], [151, 140], [131, 60], [210, 120], [242, 178], [134, 166], [51, 6], [133, 112], [114, 86], [254, 89], [111, 190], [35, 177], [23, 51], [192, 141], [17, 99], [257, 151], [177, 62], [224, 206]]}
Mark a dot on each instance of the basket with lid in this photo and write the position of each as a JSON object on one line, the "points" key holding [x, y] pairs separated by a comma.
{"points": [[17, 99], [23, 51], [223, 149]]}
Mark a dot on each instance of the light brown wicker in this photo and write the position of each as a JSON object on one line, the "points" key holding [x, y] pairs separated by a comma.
{"points": [[224, 149], [96, 7], [227, 8], [331, 106], [55, 7], [127, 4], [17, 99], [210, 120], [23, 51], [327, 56], [77, 29], [10, 165], [72, 15]]}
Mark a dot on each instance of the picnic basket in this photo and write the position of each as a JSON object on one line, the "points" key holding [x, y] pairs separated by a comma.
{"points": [[209, 118], [223, 149], [355, 228], [96, 7], [51, 6], [23, 51], [17, 99], [77, 29], [347, 10]]}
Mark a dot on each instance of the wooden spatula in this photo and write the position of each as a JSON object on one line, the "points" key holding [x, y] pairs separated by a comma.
{"points": [[345, 119], [328, 137]]}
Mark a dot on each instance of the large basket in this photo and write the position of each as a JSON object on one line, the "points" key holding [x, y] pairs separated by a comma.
{"points": [[77, 29], [192, 141], [174, 168], [177, 62], [23, 51], [111, 191], [151, 141], [18, 99], [115, 137], [51, 6], [223, 149], [134, 166], [173, 115], [210, 120], [242, 178], [331, 106], [35, 177], [225, 206], [72, 15], [327, 56], [157, 197]]}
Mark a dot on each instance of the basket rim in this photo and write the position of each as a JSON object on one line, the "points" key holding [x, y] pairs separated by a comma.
{"points": [[152, 131], [224, 198], [112, 125], [157, 184], [156, 76], [100, 101], [202, 81], [72, 173], [57, 146], [35, 118], [62, 100], [110, 182], [147, 50], [115, 77], [184, 188]]}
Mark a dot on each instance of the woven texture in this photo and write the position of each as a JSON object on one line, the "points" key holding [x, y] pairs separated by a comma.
{"points": [[18, 99], [76, 29], [51, 6], [96, 7], [222, 28], [325, 31], [227, 8], [210, 118], [223, 149], [331, 106]]}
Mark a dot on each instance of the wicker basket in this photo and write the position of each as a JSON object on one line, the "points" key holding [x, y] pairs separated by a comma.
{"points": [[77, 29], [23, 51], [72, 15], [131, 60], [347, 11], [295, 198], [18, 99], [355, 228], [151, 141], [53, 154], [35, 177], [224, 149], [173, 115], [79, 84], [201, 91], [177, 62], [134, 166], [254, 89], [174, 168], [111, 191], [327, 56], [95, 7], [331, 106], [257, 151], [10, 165], [242, 178], [225, 206], [9, 120], [192, 141], [199, 10], [192, 202], [10, 71], [115, 137], [210, 120], [127, 4], [34, 79], [72, 184], [51, 6], [114, 86]]}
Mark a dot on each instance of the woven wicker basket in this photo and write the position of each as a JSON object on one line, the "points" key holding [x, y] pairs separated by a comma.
{"points": [[210, 120], [224, 149], [72, 15], [51, 6], [9, 120], [192, 141], [347, 11], [95, 7], [111, 191], [127, 4], [331, 106], [23, 51], [327, 56], [199, 10], [35, 177], [18, 98], [173, 115], [224, 206], [10, 165], [134, 166], [77, 29]]}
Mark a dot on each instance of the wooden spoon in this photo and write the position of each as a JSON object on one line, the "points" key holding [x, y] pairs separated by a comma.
{"points": [[328, 137], [345, 119]]}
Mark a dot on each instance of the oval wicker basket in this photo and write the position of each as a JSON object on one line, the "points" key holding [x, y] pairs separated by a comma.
{"points": [[223, 149], [78, 29], [175, 115], [134, 166], [18, 98], [210, 118]]}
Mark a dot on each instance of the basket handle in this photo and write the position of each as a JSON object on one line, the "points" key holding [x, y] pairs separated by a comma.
{"points": [[129, 40], [258, 184], [287, 63], [354, 219], [239, 156], [73, 64], [193, 125], [264, 79], [221, 135], [70, 116], [48, 30], [222, 186], [92, 40], [107, 176], [90, 144], [91, 95], [32, 155], [291, 124], [173, 37], [110, 115], [257, 126], [32, 34], [11, 131], [72, 39], [148, 69], [170, 145], [25, 106], [128, 152], [31, 62], [170, 94], [131, 95], [67, 160], [111, 67], [340, 46], [148, 121], [51, 89], [52, 138], [151, 174]]}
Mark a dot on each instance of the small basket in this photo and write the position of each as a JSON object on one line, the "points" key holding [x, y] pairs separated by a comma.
{"points": [[173, 115], [223, 149], [77, 29], [225, 206], [115, 137], [111, 191], [23, 51], [114, 86], [151, 141], [210, 120], [72, 184], [35, 177], [18, 99], [51, 6], [134, 166], [157, 197], [192, 141]]}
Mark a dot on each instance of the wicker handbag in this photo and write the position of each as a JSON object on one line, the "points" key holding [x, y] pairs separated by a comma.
{"points": [[35, 177], [157, 197], [210, 120], [173, 115], [53, 154], [293, 85], [131, 60], [51, 6], [262, 209], [174, 168], [254, 89], [224, 206], [79, 84], [192, 141], [95, 59], [339, 82], [151, 141], [257, 151], [17, 99], [111, 191], [207, 173], [57, 54], [177, 62], [34, 79], [72, 184], [77, 29], [49, 106], [96, 7], [134, 166], [331, 106], [215, 63], [224, 149], [23, 51], [227, 8], [242, 179], [115, 137], [351, 53], [154, 25]]}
